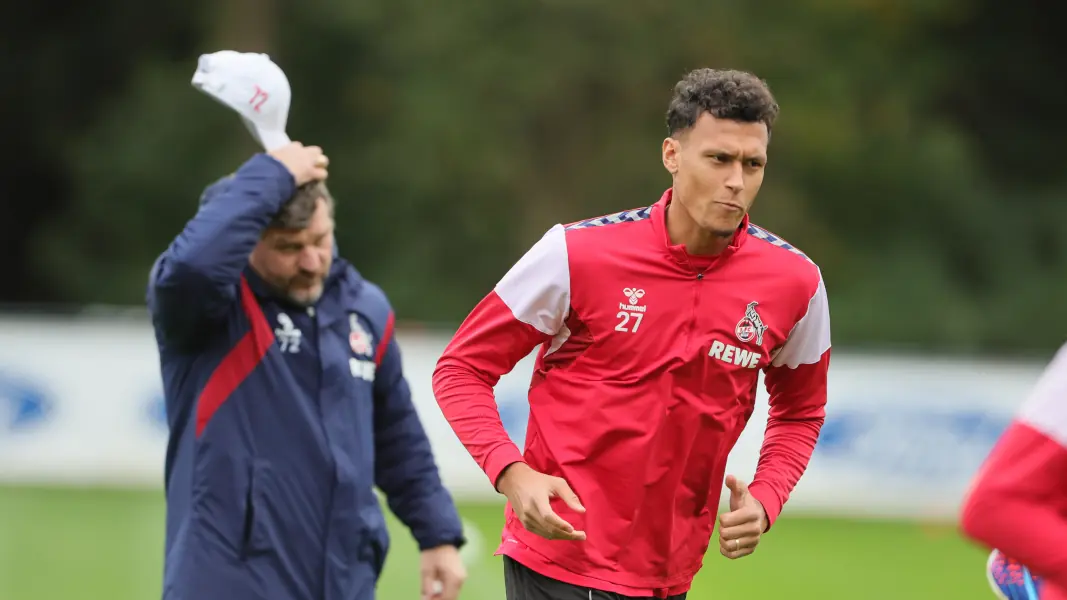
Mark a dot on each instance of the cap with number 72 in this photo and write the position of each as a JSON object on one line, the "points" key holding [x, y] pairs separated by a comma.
{"points": [[253, 86]]}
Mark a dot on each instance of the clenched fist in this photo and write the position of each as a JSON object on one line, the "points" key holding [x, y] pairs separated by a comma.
{"points": [[306, 163]]}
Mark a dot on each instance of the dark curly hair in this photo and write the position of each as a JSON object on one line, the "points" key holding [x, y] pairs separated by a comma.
{"points": [[725, 94]]}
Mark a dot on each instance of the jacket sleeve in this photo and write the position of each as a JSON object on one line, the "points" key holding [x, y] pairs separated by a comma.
{"points": [[1018, 500], [526, 308], [796, 384], [404, 465], [195, 280]]}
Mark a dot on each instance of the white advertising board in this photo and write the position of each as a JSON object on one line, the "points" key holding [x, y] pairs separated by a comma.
{"points": [[80, 403]]}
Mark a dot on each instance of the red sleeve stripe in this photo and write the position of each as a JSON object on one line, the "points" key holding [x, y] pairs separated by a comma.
{"points": [[387, 336], [238, 363]]}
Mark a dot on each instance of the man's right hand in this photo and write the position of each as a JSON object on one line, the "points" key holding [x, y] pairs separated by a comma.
{"points": [[530, 492], [306, 163]]}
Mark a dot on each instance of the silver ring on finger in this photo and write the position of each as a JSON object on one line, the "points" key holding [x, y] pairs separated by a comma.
{"points": [[737, 544]]}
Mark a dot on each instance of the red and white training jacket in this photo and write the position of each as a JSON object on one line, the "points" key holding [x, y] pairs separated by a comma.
{"points": [[1018, 501], [646, 376]]}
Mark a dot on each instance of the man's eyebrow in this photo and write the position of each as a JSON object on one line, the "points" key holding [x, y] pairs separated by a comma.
{"points": [[761, 157]]}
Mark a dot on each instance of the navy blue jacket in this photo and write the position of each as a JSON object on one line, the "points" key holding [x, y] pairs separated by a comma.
{"points": [[282, 418]]}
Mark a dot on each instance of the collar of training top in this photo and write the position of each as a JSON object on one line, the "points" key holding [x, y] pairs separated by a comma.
{"points": [[677, 252]]}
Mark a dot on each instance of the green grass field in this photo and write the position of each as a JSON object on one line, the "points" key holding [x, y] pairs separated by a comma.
{"points": [[97, 544]]}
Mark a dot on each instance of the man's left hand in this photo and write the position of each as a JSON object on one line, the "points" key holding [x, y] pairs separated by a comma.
{"points": [[442, 573], [741, 528]]}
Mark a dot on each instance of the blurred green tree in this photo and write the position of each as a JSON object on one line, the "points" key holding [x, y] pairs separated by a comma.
{"points": [[459, 132]]}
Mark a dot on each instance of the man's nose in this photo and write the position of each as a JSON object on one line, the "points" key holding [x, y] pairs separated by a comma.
{"points": [[310, 260], [736, 180]]}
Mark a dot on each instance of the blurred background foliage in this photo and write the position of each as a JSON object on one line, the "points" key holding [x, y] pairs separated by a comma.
{"points": [[917, 156]]}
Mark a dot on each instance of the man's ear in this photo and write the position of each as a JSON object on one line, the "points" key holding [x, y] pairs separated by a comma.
{"points": [[671, 148]]}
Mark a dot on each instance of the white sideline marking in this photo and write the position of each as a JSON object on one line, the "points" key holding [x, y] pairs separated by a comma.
{"points": [[471, 553]]}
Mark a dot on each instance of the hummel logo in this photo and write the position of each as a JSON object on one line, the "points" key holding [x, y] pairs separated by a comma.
{"points": [[631, 311], [633, 294], [288, 335]]}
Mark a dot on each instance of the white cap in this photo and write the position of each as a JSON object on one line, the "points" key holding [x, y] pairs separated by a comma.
{"points": [[253, 86]]}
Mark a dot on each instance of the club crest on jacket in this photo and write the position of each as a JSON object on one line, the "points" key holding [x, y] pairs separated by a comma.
{"points": [[361, 341], [751, 325]]}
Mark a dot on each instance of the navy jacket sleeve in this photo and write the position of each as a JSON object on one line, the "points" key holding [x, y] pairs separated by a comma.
{"points": [[404, 466], [195, 280]]}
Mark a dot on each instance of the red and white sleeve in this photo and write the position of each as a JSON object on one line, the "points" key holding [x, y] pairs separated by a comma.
{"points": [[796, 383], [1018, 500], [525, 309]]}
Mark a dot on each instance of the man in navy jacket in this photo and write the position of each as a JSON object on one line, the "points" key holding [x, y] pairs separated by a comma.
{"points": [[286, 403]]}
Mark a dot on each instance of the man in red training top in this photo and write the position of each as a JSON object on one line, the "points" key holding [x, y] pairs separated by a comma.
{"points": [[654, 324], [1018, 502]]}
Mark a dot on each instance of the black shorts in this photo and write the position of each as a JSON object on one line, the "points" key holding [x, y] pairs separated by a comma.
{"points": [[522, 583]]}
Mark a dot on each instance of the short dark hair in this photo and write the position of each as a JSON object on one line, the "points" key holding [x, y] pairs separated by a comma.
{"points": [[296, 212], [725, 94]]}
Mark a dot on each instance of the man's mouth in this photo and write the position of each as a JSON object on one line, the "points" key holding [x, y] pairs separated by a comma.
{"points": [[733, 205]]}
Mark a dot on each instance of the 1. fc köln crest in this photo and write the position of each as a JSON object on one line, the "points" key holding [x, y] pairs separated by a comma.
{"points": [[362, 343], [751, 325]]}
